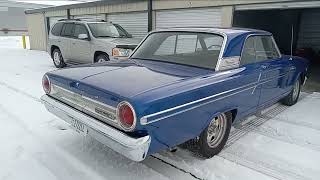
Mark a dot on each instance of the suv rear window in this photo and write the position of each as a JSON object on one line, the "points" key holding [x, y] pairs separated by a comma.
{"points": [[67, 29], [56, 30]]}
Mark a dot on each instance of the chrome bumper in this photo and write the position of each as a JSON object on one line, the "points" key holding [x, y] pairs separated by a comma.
{"points": [[135, 149]]}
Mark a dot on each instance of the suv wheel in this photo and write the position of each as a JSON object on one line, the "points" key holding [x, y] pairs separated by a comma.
{"points": [[101, 58], [58, 59]]}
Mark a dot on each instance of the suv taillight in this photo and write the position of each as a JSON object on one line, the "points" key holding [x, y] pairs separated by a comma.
{"points": [[126, 116], [46, 84]]}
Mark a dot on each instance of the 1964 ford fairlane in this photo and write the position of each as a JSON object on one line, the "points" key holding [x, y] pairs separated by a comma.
{"points": [[179, 84]]}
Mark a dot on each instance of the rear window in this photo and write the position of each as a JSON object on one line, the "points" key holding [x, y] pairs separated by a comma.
{"points": [[56, 30], [193, 49]]}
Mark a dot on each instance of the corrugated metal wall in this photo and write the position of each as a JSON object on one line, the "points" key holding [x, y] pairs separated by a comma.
{"points": [[189, 17], [135, 23], [37, 31], [309, 34]]}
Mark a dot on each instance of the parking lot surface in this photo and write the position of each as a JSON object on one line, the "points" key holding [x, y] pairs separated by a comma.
{"points": [[280, 143]]}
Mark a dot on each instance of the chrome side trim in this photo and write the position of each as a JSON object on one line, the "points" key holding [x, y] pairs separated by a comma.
{"points": [[144, 119], [135, 149]]}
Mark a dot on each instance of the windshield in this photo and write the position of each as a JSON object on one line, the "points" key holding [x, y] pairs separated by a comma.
{"points": [[193, 49], [108, 30]]}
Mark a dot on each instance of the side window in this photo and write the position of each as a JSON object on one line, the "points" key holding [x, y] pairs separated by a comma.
{"points": [[79, 29], [56, 30], [248, 52], [265, 48], [258, 49], [67, 30]]}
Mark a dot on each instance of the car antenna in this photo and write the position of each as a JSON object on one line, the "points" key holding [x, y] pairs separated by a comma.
{"points": [[291, 45]]}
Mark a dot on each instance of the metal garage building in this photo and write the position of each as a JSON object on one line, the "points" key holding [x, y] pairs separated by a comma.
{"points": [[139, 16]]}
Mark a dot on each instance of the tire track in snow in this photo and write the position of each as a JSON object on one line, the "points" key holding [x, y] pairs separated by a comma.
{"points": [[19, 91], [252, 126], [243, 129]]}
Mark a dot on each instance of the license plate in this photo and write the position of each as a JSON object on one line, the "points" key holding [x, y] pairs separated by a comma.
{"points": [[79, 127]]}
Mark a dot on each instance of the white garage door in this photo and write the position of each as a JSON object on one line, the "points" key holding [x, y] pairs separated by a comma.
{"points": [[188, 17], [309, 33], [135, 23], [53, 20]]}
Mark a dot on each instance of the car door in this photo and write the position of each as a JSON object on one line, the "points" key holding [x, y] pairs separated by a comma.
{"points": [[249, 77], [275, 70], [81, 48], [66, 37]]}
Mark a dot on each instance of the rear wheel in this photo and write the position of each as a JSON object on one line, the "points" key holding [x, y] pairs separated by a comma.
{"points": [[293, 97], [215, 136], [58, 59], [101, 58]]}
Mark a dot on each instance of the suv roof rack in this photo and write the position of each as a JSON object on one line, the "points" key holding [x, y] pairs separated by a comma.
{"points": [[83, 19]]}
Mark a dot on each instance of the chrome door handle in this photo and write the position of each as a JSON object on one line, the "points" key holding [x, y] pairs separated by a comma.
{"points": [[264, 66]]}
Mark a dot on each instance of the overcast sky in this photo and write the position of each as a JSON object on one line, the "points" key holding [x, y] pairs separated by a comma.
{"points": [[55, 2]]}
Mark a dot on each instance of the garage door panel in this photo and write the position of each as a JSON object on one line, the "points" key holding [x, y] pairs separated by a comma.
{"points": [[188, 17], [309, 34], [135, 23]]}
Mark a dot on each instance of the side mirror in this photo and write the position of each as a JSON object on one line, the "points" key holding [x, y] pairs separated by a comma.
{"points": [[83, 36]]}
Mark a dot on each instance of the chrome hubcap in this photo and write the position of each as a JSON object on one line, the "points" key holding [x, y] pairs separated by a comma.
{"points": [[56, 58], [295, 90], [216, 130]]}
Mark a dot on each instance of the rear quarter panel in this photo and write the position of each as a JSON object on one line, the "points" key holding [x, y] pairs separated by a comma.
{"points": [[192, 104]]}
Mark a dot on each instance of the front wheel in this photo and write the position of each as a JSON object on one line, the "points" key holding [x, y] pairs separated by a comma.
{"points": [[293, 97], [215, 136], [101, 58]]}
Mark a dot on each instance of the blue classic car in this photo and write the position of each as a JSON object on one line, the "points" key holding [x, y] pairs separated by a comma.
{"points": [[179, 84]]}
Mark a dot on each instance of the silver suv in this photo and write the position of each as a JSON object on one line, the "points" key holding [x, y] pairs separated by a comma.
{"points": [[81, 41]]}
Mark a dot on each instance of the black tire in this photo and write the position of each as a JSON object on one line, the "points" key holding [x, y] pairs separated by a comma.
{"points": [[58, 59], [101, 58], [206, 148], [293, 96]]}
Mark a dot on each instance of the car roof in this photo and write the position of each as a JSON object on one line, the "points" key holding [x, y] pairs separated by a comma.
{"points": [[227, 31]]}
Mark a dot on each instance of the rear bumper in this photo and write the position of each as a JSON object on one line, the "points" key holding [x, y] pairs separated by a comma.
{"points": [[135, 149]]}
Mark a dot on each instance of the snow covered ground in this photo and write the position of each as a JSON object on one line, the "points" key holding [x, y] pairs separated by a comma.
{"points": [[282, 143]]}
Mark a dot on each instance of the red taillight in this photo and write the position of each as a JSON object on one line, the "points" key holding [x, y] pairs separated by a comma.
{"points": [[126, 116], [46, 84]]}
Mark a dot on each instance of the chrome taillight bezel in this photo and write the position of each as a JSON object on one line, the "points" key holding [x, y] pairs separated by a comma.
{"points": [[125, 128], [47, 91]]}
